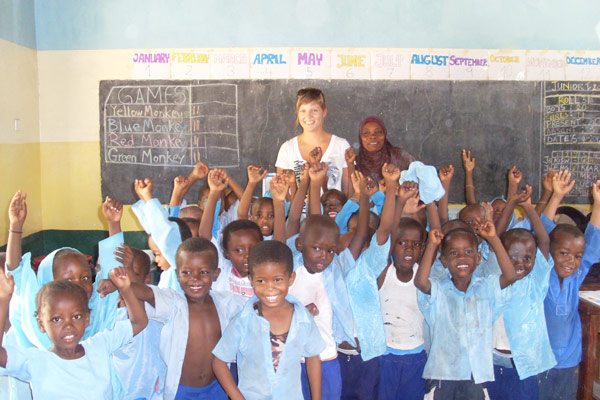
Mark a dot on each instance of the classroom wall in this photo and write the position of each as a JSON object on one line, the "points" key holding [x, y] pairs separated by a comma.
{"points": [[80, 42], [19, 150]]}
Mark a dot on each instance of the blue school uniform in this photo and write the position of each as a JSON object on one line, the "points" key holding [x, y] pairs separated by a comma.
{"points": [[52, 377], [248, 338], [171, 309], [461, 328], [562, 302]]}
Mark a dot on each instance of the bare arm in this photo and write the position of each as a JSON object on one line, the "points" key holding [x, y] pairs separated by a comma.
{"points": [[279, 189], [469, 164], [446, 173], [561, 186], [293, 221], [113, 212], [135, 309], [225, 378], [318, 176], [350, 156], [237, 189], [509, 208], [313, 371], [422, 281], [255, 175], [17, 213], [217, 182], [183, 184], [488, 232], [546, 192], [538, 227], [595, 218], [391, 174], [7, 286], [514, 178]]}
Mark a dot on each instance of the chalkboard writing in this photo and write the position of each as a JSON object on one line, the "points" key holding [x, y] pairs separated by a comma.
{"points": [[158, 129], [571, 133]]}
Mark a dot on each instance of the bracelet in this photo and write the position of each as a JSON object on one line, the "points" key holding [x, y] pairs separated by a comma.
{"points": [[470, 186], [11, 231]]}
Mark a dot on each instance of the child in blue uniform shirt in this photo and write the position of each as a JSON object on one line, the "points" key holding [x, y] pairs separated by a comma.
{"points": [[461, 309], [573, 253], [270, 335]]}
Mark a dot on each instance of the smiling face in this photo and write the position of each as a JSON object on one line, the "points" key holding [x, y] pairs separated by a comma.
{"points": [[473, 215], [522, 253], [318, 247], [271, 282], [64, 318], [264, 216], [332, 203], [311, 116], [372, 137], [196, 271], [567, 251], [460, 255], [72, 268], [408, 248], [238, 249]]}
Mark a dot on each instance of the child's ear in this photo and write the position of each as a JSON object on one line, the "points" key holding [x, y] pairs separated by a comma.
{"points": [[443, 259], [147, 279], [216, 274], [87, 319], [298, 244], [40, 323], [292, 279]]}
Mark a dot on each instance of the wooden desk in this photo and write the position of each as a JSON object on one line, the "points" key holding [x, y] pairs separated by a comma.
{"points": [[590, 326]]}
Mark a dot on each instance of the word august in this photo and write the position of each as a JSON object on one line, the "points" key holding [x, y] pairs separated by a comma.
{"points": [[431, 59]]}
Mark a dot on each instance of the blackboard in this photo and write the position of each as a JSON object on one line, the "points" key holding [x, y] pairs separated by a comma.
{"points": [[160, 129]]}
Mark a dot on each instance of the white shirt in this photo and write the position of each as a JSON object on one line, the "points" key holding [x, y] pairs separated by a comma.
{"points": [[402, 318], [289, 157], [310, 288]]}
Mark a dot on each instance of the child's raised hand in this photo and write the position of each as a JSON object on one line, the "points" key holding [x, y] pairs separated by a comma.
{"points": [[124, 255], [119, 277], [255, 173], [318, 172], [350, 155], [435, 237], [112, 209], [314, 157], [390, 173], [523, 196], [547, 180], [488, 211], [468, 162], [17, 210], [312, 308], [562, 183], [407, 190], [368, 186], [217, 180], [105, 287], [412, 205], [200, 171], [180, 182], [143, 188], [356, 178], [487, 230], [303, 171], [279, 187], [289, 175], [515, 175], [446, 173], [596, 192], [7, 286]]}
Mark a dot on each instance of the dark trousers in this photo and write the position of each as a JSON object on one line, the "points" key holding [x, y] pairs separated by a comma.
{"points": [[360, 379]]}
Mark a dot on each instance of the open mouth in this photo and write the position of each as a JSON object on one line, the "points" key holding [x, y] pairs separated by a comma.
{"points": [[69, 338], [332, 214], [271, 299], [462, 266]]}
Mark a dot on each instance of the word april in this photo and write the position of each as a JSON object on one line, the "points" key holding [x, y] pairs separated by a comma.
{"points": [[268, 58]]}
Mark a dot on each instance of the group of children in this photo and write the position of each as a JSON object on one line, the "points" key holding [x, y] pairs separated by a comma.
{"points": [[308, 292]]}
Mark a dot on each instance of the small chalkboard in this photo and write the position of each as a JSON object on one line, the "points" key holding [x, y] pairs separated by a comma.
{"points": [[160, 129]]}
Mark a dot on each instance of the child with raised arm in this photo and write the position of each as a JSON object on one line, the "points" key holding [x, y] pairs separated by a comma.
{"points": [[193, 321], [521, 345], [182, 184], [261, 211], [460, 311], [271, 334], [573, 253], [71, 367]]}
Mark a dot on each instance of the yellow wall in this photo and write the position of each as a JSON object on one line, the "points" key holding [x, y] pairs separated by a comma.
{"points": [[19, 151]]}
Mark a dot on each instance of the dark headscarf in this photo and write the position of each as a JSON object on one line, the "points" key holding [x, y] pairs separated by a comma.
{"points": [[370, 163]]}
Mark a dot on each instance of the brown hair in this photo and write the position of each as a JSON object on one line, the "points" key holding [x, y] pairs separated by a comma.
{"points": [[308, 95]]}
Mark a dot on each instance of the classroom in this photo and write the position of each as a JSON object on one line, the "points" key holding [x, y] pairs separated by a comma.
{"points": [[67, 132]]}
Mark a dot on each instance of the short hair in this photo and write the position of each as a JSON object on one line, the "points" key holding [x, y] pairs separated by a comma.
{"points": [[517, 234], [198, 245], [469, 207], [567, 229], [455, 232], [270, 251], [142, 259], [58, 288], [192, 211], [449, 225], [240, 225], [191, 222], [315, 222], [184, 230], [68, 253], [257, 203], [406, 222], [341, 196], [203, 189], [308, 95]]}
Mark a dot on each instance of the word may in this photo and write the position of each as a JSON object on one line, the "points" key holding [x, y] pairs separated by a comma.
{"points": [[310, 58], [469, 62], [268, 58], [190, 58], [351, 61], [429, 59], [162, 58]]}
